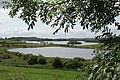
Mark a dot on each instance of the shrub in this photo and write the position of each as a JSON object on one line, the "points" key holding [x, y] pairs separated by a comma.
{"points": [[41, 60], [20, 55], [16, 53], [26, 56], [32, 60], [79, 59], [57, 63], [1, 53], [24, 46], [74, 42], [72, 64], [5, 56], [6, 45]]}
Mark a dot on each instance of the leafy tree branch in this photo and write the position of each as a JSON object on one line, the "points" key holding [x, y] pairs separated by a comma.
{"points": [[95, 15]]}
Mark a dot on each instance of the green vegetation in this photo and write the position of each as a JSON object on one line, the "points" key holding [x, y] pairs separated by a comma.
{"points": [[57, 63], [96, 15], [11, 43], [39, 67], [48, 39], [37, 71], [30, 60], [7, 72], [74, 42], [41, 60]]}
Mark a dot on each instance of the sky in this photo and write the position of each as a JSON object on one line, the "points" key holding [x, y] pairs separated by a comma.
{"points": [[14, 27]]}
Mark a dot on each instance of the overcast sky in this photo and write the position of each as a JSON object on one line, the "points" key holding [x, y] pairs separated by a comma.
{"points": [[14, 27]]}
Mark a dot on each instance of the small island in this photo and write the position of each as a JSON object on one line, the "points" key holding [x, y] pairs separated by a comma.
{"points": [[74, 42]]}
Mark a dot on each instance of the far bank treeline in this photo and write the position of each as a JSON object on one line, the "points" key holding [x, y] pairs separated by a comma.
{"points": [[49, 39]]}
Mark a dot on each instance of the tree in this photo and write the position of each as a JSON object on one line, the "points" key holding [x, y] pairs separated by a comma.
{"points": [[5, 56], [57, 63], [73, 64], [41, 60], [95, 15], [32, 60]]}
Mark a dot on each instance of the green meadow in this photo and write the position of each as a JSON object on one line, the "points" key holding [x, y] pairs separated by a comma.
{"points": [[20, 73]]}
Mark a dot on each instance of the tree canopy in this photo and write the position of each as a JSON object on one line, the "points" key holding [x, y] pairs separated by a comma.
{"points": [[92, 14], [95, 15]]}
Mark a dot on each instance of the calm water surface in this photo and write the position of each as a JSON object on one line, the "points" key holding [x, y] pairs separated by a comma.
{"points": [[64, 42], [56, 52]]}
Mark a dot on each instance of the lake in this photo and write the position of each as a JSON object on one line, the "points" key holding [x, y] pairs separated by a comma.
{"points": [[62, 52], [64, 42]]}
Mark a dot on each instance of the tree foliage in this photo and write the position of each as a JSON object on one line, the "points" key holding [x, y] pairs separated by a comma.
{"points": [[41, 60], [32, 60], [73, 64], [57, 63], [91, 14]]}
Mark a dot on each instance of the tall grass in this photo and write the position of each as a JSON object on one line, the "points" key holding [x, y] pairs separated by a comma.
{"points": [[20, 73], [13, 74]]}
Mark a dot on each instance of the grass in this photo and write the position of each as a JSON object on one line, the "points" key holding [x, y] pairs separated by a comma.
{"points": [[8, 72]]}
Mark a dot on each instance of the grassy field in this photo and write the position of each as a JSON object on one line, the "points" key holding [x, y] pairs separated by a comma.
{"points": [[7, 72]]}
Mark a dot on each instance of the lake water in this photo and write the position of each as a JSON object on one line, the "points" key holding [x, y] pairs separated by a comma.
{"points": [[64, 42], [56, 52]]}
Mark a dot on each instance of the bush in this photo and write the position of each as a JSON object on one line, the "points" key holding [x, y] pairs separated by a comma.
{"points": [[6, 45], [79, 59], [72, 64], [20, 55], [16, 53], [32, 60], [5, 56], [26, 56], [41, 60], [57, 63], [74, 42], [1, 53], [24, 46]]}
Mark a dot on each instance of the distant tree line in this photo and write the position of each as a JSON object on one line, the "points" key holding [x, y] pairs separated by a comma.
{"points": [[49, 39]]}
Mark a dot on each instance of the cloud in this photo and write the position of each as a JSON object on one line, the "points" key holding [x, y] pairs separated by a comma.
{"points": [[44, 31], [1, 22]]}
